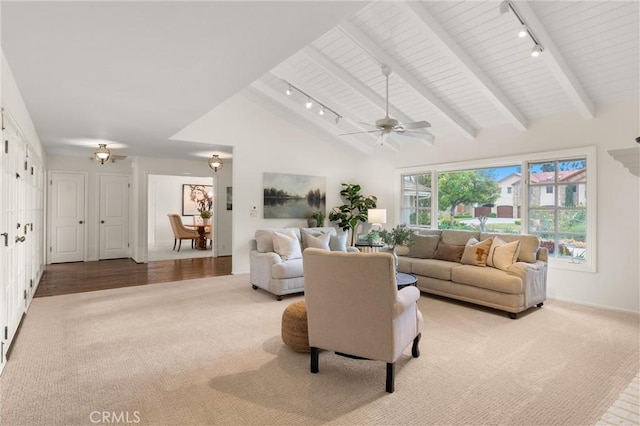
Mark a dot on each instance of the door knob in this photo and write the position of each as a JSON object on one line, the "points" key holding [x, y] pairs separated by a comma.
{"points": [[102, 221], [81, 222]]}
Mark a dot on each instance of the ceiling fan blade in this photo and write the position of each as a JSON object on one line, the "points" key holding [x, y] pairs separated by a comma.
{"points": [[414, 125], [357, 133], [366, 124], [418, 135]]}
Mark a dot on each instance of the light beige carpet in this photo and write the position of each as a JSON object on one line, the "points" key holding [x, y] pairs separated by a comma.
{"points": [[208, 351]]}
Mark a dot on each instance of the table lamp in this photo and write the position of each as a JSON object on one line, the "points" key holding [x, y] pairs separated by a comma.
{"points": [[376, 217]]}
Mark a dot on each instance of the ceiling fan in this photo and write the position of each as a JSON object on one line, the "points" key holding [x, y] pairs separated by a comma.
{"points": [[388, 125]]}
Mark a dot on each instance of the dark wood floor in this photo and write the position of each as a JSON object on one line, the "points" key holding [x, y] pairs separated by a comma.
{"points": [[78, 277]]}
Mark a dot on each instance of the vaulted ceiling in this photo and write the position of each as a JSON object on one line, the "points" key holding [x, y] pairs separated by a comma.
{"points": [[139, 72]]}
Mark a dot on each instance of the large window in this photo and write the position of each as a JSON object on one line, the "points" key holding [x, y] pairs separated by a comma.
{"points": [[486, 200], [559, 216], [543, 194]]}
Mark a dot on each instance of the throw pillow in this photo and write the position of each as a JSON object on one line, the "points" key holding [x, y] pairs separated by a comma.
{"points": [[424, 246], [449, 252], [476, 253], [503, 254], [320, 242], [338, 242], [287, 245]]}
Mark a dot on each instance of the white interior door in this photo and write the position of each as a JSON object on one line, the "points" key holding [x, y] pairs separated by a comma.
{"points": [[67, 214], [114, 217]]}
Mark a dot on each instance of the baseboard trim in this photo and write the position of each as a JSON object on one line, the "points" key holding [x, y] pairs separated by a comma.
{"points": [[595, 305]]}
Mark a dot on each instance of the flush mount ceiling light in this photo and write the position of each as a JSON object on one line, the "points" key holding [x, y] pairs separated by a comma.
{"points": [[323, 109], [525, 30], [215, 163], [102, 154]]}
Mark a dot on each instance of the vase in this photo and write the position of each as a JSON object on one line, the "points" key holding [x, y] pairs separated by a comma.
{"points": [[395, 257], [312, 223]]}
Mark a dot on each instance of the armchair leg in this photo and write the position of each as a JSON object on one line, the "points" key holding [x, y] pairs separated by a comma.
{"points": [[315, 358], [179, 245], [390, 377], [175, 241], [415, 350]]}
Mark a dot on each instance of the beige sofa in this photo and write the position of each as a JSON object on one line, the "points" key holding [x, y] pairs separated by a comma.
{"points": [[513, 288], [280, 274]]}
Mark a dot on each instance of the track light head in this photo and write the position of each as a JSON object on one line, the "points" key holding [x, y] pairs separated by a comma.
{"points": [[289, 91], [504, 7], [309, 104], [321, 111], [524, 30], [536, 50]]}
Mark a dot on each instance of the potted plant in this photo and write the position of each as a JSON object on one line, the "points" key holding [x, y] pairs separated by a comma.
{"points": [[354, 211], [398, 236], [319, 217], [206, 216]]}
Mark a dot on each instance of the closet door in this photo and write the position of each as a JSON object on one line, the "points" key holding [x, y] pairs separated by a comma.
{"points": [[67, 212], [114, 217]]}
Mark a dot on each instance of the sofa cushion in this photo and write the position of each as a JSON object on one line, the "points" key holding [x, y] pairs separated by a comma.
{"points": [[424, 246], [452, 253], [315, 232], [489, 278], [320, 242], [503, 254], [338, 242], [476, 253], [459, 238], [287, 245], [264, 238], [404, 264], [528, 244], [288, 269], [433, 268]]}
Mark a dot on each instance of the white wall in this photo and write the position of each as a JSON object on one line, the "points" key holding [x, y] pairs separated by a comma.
{"points": [[165, 197]]}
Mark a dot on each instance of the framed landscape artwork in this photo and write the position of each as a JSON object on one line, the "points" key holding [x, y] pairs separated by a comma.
{"points": [[196, 198], [293, 196]]}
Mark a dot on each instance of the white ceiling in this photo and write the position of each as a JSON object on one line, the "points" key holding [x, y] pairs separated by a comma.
{"points": [[138, 72]]}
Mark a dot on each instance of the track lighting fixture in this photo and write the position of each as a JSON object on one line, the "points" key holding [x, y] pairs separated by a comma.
{"points": [[536, 51], [523, 31], [323, 109], [506, 6]]}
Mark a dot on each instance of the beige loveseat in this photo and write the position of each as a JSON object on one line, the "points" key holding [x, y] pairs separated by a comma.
{"points": [[279, 270], [436, 260]]}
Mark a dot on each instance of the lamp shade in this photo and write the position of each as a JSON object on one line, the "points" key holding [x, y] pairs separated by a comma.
{"points": [[377, 216]]}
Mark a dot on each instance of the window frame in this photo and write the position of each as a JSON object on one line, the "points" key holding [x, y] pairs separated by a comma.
{"points": [[523, 160]]}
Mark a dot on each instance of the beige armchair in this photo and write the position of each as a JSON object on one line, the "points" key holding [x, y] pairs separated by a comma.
{"points": [[180, 232], [354, 308]]}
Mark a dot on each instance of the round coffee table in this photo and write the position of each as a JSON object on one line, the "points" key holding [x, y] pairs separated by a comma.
{"points": [[404, 280]]}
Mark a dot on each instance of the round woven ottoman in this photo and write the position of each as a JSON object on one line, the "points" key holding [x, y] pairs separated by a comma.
{"points": [[294, 327]]}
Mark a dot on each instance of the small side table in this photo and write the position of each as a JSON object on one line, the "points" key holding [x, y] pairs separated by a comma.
{"points": [[369, 248], [403, 280]]}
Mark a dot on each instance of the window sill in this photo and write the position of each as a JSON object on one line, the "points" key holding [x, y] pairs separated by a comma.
{"points": [[568, 265]]}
